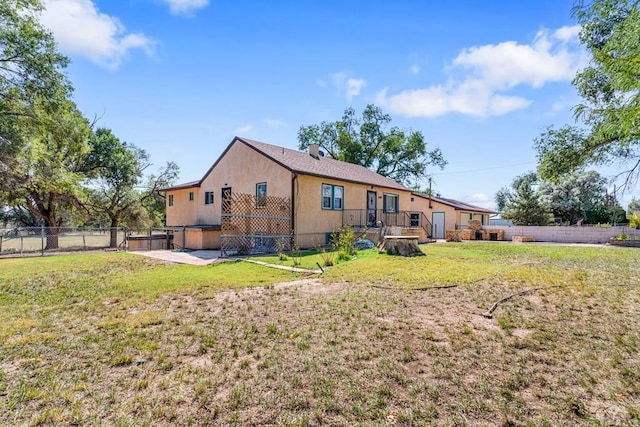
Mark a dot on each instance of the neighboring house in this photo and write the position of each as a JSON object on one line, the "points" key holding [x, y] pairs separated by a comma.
{"points": [[316, 195]]}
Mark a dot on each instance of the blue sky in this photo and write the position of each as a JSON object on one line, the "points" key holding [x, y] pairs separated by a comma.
{"points": [[180, 78]]}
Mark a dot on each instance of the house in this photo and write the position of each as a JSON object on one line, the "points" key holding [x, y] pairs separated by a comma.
{"points": [[448, 214], [258, 195]]}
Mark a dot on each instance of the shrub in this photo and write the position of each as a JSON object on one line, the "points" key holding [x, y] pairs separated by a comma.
{"points": [[327, 257], [634, 220], [344, 242]]}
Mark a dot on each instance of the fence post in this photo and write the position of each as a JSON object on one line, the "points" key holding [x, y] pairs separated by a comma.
{"points": [[1, 243], [150, 234], [84, 242], [42, 239]]}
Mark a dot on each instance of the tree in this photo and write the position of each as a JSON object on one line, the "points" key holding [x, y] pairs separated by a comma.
{"points": [[521, 203], [31, 72], [368, 141], [42, 134], [581, 195], [117, 169], [634, 206], [608, 117], [17, 216], [45, 176]]}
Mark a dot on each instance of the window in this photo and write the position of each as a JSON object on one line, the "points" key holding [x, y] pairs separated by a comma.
{"points": [[170, 199], [390, 203], [332, 197], [261, 194], [208, 197], [415, 220], [191, 196], [337, 197], [326, 196]]}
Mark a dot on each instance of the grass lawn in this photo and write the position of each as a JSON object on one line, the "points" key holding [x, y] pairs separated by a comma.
{"points": [[124, 340]]}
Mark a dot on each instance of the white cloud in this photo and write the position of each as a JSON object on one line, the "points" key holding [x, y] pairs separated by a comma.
{"points": [[274, 123], [185, 7], [80, 29], [244, 130], [415, 69], [479, 197], [354, 86], [350, 85], [480, 77]]}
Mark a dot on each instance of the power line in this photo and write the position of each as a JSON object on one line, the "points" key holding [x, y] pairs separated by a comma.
{"points": [[483, 169]]}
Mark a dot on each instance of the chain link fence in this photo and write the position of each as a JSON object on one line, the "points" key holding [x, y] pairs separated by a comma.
{"points": [[30, 241]]}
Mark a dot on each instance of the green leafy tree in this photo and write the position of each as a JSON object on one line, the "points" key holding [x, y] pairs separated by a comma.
{"points": [[522, 203], [42, 134], [45, 176], [17, 216], [31, 73], [578, 196], [370, 142], [114, 192], [608, 118], [634, 206], [117, 167]]}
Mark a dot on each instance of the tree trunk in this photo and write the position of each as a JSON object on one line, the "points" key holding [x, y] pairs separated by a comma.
{"points": [[52, 237], [113, 241]]}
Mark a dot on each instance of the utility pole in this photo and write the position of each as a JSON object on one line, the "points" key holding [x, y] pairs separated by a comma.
{"points": [[613, 207]]}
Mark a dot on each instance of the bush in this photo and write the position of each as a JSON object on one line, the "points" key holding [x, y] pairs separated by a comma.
{"points": [[344, 242], [327, 257], [634, 221]]}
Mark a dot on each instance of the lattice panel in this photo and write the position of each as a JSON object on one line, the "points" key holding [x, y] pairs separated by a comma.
{"points": [[253, 224]]}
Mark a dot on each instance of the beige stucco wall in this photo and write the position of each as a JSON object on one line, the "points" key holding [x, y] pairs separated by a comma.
{"points": [[196, 238], [311, 221], [421, 204], [241, 168], [183, 211], [453, 218]]}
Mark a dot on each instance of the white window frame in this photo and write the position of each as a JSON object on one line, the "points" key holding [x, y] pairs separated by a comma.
{"points": [[208, 197], [332, 197], [261, 199], [396, 204]]}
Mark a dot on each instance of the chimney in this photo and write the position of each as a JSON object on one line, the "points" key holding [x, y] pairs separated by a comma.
{"points": [[314, 151]]}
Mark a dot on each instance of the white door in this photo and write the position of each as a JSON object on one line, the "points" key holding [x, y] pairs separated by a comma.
{"points": [[437, 225]]}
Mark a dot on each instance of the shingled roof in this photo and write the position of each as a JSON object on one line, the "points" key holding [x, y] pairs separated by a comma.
{"points": [[303, 163], [456, 204]]}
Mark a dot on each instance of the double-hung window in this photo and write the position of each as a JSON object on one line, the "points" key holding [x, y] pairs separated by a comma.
{"points": [[332, 197], [170, 202], [191, 196], [261, 194], [390, 203], [208, 197]]}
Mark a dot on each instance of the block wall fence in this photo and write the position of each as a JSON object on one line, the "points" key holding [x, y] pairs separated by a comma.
{"points": [[564, 234]]}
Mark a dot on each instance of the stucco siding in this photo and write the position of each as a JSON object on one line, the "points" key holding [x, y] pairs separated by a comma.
{"points": [[240, 168], [183, 211], [420, 204], [312, 221]]}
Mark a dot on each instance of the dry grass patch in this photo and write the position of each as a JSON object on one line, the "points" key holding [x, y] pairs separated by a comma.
{"points": [[338, 351]]}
